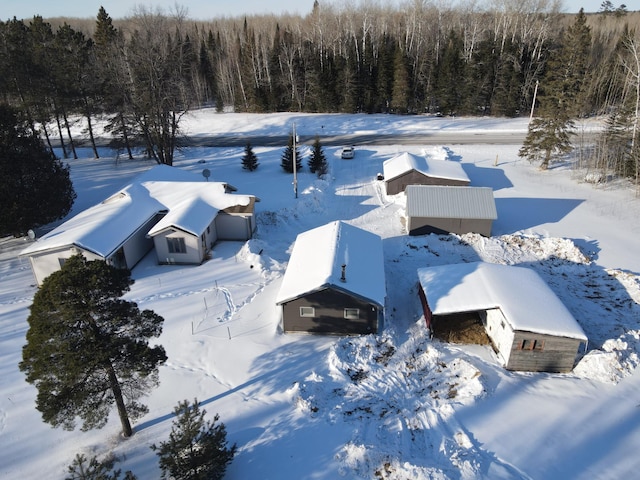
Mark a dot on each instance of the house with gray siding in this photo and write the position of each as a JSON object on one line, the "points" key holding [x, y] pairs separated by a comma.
{"points": [[529, 326], [334, 282]]}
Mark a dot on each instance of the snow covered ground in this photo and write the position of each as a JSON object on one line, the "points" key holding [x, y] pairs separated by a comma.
{"points": [[395, 405]]}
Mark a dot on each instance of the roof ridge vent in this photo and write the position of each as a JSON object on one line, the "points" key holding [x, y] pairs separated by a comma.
{"points": [[114, 198]]}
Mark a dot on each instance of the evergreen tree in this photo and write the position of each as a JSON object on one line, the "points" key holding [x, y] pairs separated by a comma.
{"points": [[401, 89], [78, 85], [317, 161], [92, 469], [112, 75], [249, 160], [88, 349], [35, 187], [196, 449], [451, 75], [549, 135], [287, 157], [385, 73]]}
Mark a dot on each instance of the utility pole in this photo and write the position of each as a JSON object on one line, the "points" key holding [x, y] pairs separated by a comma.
{"points": [[295, 174], [533, 104]]}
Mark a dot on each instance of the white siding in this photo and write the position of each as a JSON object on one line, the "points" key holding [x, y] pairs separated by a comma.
{"points": [[44, 264], [194, 253], [233, 227], [500, 332]]}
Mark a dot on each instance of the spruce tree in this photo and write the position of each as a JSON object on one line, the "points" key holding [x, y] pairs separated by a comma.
{"points": [[196, 449], [317, 161], [401, 92], [88, 349], [83, 468], [249, 160], [549, 135], [287, 157], [35, 187]]}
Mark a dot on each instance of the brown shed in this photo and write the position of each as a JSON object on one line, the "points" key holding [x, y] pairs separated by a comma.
{"points": [[408, 169], [529, 327], [334, 282], [441, 209]]}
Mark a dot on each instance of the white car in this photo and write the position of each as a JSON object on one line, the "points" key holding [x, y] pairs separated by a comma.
{"points": [[348, 152]]}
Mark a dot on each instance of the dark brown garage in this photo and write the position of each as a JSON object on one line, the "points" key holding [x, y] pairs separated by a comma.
{"points": [[334, 282]]}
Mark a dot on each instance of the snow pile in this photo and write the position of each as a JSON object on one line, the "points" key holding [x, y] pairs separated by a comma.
{"points": [[399, 401]]}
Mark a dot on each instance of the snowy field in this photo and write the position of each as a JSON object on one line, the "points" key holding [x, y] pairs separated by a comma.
{"points": [[417, 408]]}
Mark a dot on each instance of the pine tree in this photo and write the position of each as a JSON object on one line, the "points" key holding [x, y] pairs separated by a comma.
{"points": [[35, 187], [92, 469], [196, 449], [287, 157], [88, 349], [249, 160], [317, 161]]}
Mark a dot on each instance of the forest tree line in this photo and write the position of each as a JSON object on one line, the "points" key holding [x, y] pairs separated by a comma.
{"points": [[145, 71]]}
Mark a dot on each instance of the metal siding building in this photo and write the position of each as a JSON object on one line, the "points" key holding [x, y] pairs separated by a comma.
{"points": [[445, 209]]}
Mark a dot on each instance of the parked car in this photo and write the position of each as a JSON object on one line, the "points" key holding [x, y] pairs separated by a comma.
{"points": [[348, 152]]}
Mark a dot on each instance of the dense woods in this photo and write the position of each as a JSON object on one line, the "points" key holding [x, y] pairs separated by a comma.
{"points": [[499, 58]]}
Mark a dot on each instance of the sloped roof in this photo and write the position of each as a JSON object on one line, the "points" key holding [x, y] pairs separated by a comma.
{"points": [[520, 293], [317, 258], [190, 203], [406, 162], [193, 207], [439, 201], [103, 228]]}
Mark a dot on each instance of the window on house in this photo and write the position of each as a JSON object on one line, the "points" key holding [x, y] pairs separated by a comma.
{"points": [[352, 313], [176, 245], [61, 261], [307, 312], [532, 345]]}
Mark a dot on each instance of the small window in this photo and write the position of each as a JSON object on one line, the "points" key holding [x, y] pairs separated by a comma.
{"points": [[532, 345], [61, 261], [176, 245], [352, 313], [307, 312]]}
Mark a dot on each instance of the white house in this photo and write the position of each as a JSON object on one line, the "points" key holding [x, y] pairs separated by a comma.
{"points": [[529, 326], [174, 209]]}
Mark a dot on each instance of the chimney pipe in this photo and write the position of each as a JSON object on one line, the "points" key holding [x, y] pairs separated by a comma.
{"points": [[343, 278]]}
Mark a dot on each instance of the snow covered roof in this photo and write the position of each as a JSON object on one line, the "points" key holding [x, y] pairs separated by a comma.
{"points": [[188, 200], [193, 207], [103, 228], [317, 258], [522, 295], [405, 162], [439, 201]]}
